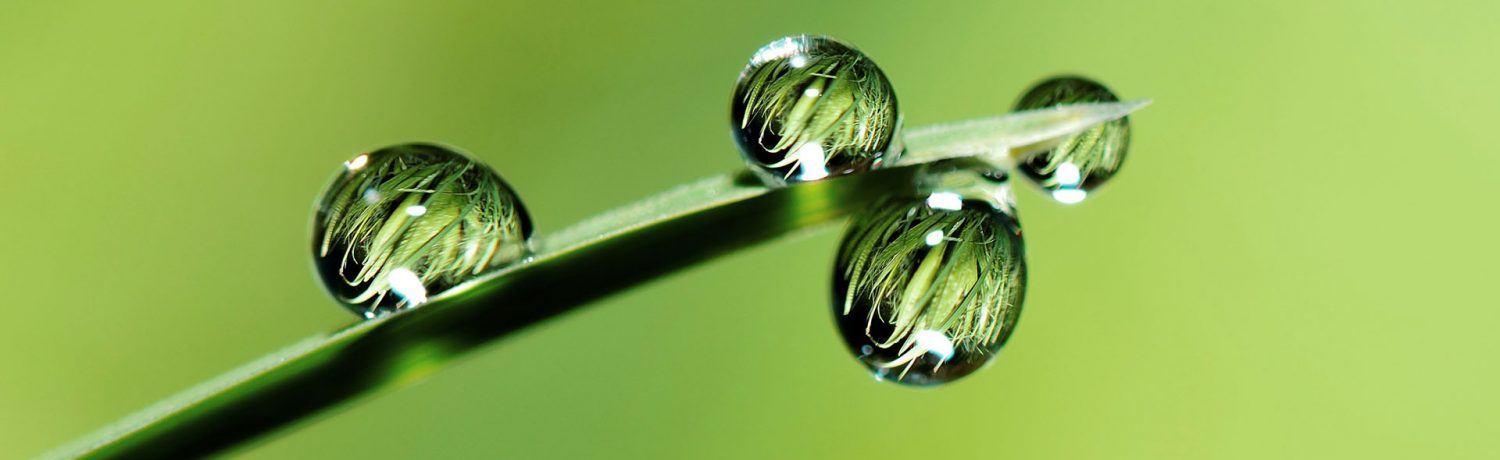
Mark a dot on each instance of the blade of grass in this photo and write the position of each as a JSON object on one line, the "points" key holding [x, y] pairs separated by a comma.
{"points": [[1003, 138], [594, 259]]}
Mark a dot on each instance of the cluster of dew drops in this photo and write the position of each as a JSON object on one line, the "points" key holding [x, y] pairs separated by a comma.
{"points": [[926, 288]]}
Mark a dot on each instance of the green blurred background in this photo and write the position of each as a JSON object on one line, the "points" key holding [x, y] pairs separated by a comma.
{"points": [[1295, 262]]}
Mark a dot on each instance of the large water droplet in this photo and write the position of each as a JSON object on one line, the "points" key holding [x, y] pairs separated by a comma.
{"points": [[404, 223], [927, 290], [1082, 162], [808, 107]]}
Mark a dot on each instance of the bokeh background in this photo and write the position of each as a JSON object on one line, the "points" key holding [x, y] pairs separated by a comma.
{"points": [[1296, 262]]}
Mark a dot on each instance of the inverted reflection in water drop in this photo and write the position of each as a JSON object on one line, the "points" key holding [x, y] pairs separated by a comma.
{"points": [[808, 107], [927, 294], [406, 222], [1082, 162]]}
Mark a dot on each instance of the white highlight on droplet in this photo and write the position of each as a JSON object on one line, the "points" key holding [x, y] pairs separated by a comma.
{"points": [[783, 48], [1067, 174], [934, 238], [357, 162], [1069, 195], [372, 196], [935, 342], [810, 156], [812, 92], [947, 201], [406, 284], [416, 210]]}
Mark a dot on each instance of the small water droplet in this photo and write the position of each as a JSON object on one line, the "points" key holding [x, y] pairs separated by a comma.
{"points": [[1084, 161], [407, 222], [921, 310], [808, 107]]}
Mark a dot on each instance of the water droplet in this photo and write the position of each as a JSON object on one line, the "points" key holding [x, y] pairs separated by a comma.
{"points": [[927, 294], [809, 107], [1084, 161], [407, 222]]}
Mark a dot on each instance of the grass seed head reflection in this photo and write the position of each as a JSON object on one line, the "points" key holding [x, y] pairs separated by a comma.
{"points": [[1082, 162], [808, 107], [409, 220], [927, 294]]}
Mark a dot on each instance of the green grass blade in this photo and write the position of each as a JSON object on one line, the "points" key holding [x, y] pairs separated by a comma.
{"points": [[589, 261]]}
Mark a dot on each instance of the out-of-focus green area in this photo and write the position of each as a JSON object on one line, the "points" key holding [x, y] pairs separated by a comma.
{"points": [[1295, 262]]}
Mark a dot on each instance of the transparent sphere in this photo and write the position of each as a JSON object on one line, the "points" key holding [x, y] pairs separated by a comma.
{"points": [[406, 222], [808, 107], [927, 290], [1084, 161]]}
